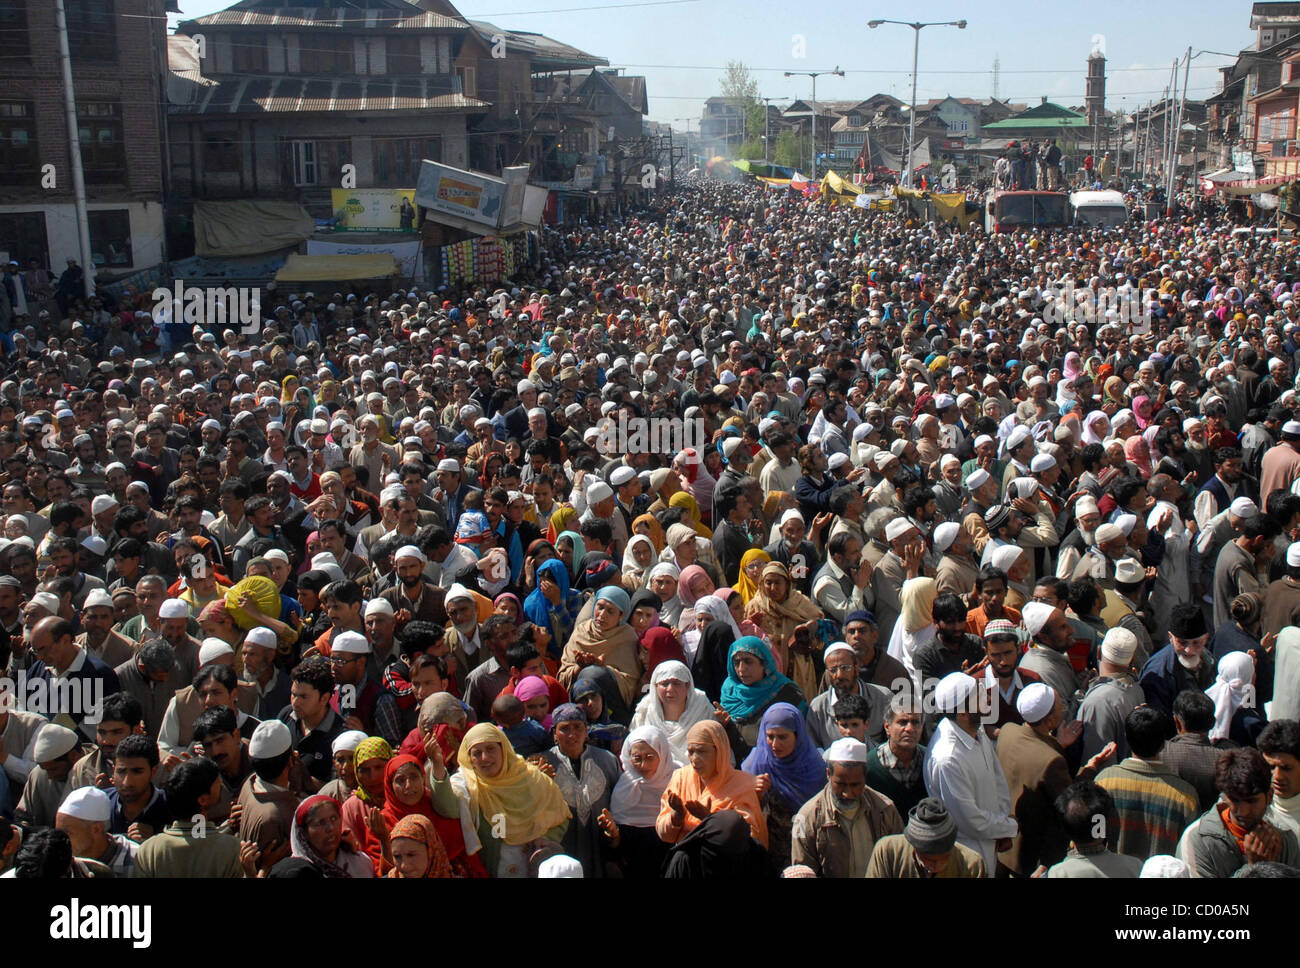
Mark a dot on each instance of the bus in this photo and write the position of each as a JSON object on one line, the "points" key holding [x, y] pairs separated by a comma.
{"points": [[1008, 211]]}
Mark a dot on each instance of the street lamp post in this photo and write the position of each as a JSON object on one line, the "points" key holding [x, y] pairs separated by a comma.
{"points": [[814, 75], [916, 49]]}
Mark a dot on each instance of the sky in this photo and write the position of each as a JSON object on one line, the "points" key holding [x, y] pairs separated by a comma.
{"points": [[682, 46]]}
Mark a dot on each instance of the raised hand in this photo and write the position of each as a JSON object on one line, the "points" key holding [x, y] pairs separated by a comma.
{"points": [[762, 784]]}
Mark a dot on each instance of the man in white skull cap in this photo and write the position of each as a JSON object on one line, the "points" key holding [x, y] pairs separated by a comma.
{"points": [[84, 816], [962, 770], [1112, 695], [1050, 635]]}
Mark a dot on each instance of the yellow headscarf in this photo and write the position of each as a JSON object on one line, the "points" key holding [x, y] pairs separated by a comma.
{"points": [[656, 530], [370, 748], [526, 797], [563, 518], [744, 586], [690, 512]]}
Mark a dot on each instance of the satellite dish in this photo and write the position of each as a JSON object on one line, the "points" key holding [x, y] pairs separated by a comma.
{"points": [[948, 177]]}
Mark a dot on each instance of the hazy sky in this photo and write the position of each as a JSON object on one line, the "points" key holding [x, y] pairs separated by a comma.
{"points": [[681, 47]]}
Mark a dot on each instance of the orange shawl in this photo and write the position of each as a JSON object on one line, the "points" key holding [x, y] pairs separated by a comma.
{"points": [[729, 788]]}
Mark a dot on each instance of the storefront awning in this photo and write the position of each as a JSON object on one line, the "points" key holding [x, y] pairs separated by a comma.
{"points": [[1254, 186], [340, 268]]}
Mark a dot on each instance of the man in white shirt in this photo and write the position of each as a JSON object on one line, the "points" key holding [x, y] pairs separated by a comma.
{"points": [[1280, 744], [963, 771]]}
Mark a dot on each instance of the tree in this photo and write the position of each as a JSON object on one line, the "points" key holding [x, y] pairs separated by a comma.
{"points": [[791, 150], [740, 89]]}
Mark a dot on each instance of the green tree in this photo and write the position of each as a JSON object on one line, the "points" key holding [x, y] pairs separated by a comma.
{"points": [[792, 151], [740, 88]]}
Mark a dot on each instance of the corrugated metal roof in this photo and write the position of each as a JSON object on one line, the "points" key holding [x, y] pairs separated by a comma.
{"points": [[342, 18], [547, 52], [286, 95]]}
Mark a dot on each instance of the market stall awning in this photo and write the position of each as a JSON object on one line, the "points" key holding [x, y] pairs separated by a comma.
{"points": [[340, 268], [1254, 186]]}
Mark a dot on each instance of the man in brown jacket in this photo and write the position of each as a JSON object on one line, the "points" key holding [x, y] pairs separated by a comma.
{"points": [[835, 832], [266, 801], [1032, 756]]}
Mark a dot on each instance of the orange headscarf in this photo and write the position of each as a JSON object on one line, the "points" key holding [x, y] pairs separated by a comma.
{"points": [[728, 788]]}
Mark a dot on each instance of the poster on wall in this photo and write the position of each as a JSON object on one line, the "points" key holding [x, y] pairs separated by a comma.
{"points": [[408, 254], [374, 209]]}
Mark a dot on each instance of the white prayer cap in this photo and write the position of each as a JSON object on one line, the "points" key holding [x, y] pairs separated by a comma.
{"points": [[1106, 533], [1243, 507], [50, 602], [561, 865], [87, 803], [1041, 463], [352, 643], [348, 740], [952, 692], [1293, 555], [1291, 428], [846, 749], [861, 432], [1126, 523], [977, 478], [622, 475], [839, 647], [883, 459], [213, 649], [897, 528], [983, 439], [944, 535], [262, 636], [102, 503], [174, 608], [837, 461], [449, 465], [1119, 646], [379, 606], [1018, 437], [1086, 505], [1164, 865], [98, 598], [943, 400], [1035, 702], [793, 514], [410, 551], [457, 591], [271, 739], [1035, 616], [598, 491], [947, 459], [1129, 571], [52, 742]]}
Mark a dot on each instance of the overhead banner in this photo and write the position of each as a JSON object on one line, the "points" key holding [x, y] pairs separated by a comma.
{"points": [[516, 179], [469, 195], [374, 209], [407, 254]]}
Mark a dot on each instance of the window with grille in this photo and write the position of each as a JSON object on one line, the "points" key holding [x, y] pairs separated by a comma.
{"points": [[92, 29], [103, 148], [13, 28], [22, 235], [19, 164], [397, 160], [307, 163]]}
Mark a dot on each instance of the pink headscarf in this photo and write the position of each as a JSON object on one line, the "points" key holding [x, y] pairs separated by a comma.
{"points": [[1072, 366], [1142, 418], [1137, 454], [530, 687], [688, 575]]}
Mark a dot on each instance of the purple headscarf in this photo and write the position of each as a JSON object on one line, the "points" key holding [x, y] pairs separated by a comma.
{"points": [[797, 778]]}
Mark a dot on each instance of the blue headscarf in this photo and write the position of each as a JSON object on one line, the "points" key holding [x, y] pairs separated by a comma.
{"points": [[797, 778], [744, 702], [579, 550], [616, 595], [539, 610]]}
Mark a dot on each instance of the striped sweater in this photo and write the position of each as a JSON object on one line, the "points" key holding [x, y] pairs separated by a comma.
{"points": [[1153, 806]]}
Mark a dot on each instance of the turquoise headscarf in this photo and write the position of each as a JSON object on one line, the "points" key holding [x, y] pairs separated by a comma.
{"points": [[616, 595], [579, 551], [746, 703]]}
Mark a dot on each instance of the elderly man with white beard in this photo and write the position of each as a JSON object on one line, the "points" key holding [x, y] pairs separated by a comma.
{"points": [[1182, 664], [1076, 544]]}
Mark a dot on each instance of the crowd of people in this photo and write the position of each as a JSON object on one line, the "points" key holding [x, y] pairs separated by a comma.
{"points": [[951, 587]]}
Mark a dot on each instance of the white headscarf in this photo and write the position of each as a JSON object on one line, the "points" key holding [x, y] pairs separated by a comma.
{"points": [[635, 801], [716, 607], [650, 711], [1234, 685], [630, 566]]}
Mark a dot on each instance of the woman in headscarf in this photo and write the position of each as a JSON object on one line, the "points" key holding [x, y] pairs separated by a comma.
{"points": [[751, 572], [1236, 717], [1096, 427], [707, 785], [564, 518], [915, 625], [629, 825], [508, 604], [317, 837], [708, 609], [648, 525], [417, 850], [638, 559], [752, 685], [1138, 454], [662, 580], [369, 760], [690, 513], [596, 692], [605, 639], [692, 585], [660, 644], [586, 775], [1142, 409], [513, 806], [644, 615], [673, 705], [535, 694], [790, 772], [553, 604], [406, 792], [790, 619], [571, 549]]}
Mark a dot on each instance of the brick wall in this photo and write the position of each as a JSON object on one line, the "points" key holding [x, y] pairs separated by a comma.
{"points": [[132, 78]]}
